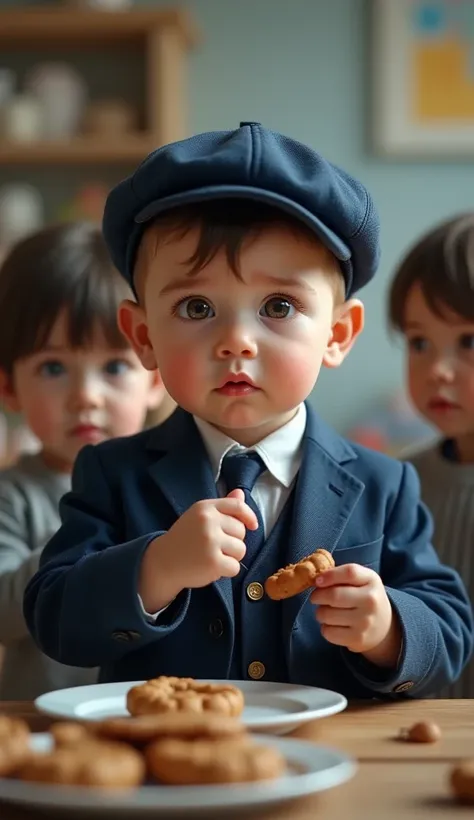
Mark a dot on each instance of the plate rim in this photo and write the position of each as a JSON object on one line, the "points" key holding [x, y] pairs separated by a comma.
{"points": [[189, 799], [303, 716]]}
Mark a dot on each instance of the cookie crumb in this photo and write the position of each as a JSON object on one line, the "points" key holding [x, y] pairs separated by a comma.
{"points": [[421, 732], [462, 781]]}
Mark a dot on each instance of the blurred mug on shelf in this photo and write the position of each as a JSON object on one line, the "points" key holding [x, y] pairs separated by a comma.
{"points": [[22, 119], [62, 94]]}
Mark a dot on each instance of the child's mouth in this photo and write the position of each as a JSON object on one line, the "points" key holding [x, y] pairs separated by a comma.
{"points": [[233, 388], [87, 432], [440, 405]]}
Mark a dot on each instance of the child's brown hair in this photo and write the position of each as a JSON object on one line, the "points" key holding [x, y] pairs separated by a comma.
{"points": [[225, 224], [442, 264], [64, 266]]}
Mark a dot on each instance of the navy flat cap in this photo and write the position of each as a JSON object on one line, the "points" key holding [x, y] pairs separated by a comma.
{"points": [[251, 162]]}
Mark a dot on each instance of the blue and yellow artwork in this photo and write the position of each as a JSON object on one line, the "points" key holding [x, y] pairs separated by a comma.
{"points": [[441, 35]]}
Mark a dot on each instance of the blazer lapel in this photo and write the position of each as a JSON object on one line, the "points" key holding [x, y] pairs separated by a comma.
{"points": [[182, 471], [184, 475], [325, 495]]}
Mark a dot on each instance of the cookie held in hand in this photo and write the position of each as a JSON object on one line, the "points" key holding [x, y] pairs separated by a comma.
{"points": [[296, 578]]}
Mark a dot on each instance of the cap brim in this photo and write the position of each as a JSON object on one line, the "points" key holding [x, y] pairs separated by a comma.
{"points": [[340, 250]]}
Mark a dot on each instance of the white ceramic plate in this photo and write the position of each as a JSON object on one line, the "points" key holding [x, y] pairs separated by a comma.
{"points": [[310, 769], [277, 708]]}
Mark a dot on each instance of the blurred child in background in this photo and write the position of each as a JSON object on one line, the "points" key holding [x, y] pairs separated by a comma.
{"points": [[432, 304], [67, 369]]}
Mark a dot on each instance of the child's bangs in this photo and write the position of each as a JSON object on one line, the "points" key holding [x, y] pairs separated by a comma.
{"points": [[63, 270], [90, 302], [92, 311], [448, 299], [445, 271], [442, 265]]}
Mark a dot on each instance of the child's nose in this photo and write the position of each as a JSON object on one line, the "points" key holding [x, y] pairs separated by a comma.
{"points": [[443, 369], [85, 393], [236, 341]]}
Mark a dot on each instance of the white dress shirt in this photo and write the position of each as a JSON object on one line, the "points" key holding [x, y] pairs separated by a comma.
{"points": [[281, 452]]}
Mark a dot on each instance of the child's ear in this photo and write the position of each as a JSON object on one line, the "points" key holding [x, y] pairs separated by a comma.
{"points": [[132, 322], [347, 324], [8, 395]]}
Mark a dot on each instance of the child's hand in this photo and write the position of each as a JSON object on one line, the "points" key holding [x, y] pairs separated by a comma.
{"points": [[354, 611], [205, 544]]}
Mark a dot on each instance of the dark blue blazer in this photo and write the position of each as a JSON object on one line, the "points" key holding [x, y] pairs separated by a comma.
{"points": [[82, 606]]}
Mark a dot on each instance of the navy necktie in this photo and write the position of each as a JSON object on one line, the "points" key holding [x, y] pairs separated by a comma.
{"points": [[240, 472]]}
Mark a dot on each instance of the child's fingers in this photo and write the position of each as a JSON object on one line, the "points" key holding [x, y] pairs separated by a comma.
{"points": [[338, 635], [329, 616], [236, 494], [234, 548], [340, 597], [351, 574], [233, 527], [229, 567], [234, 504]]}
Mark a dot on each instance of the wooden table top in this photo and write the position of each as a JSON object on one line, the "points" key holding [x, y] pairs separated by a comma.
{"points": [[394, 780]]}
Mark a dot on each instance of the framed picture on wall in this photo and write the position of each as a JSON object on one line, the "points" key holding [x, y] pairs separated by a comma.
{"points": [[423, 78]]}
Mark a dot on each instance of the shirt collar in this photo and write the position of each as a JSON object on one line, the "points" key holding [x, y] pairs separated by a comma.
{"points": [[280, 451]]}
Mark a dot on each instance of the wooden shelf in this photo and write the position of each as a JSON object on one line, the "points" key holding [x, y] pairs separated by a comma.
{"points": [[44, 25], [80, 150], [164, 37]]}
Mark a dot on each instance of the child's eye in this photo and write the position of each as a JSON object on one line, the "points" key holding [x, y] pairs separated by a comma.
{"points": [[195, 308], [418, 344], [52, 369], [277, 307], [116, 367], [466, 341]]}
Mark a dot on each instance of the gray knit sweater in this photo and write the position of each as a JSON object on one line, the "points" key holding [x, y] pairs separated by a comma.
{"points": [[447, 488], [29, 498]]}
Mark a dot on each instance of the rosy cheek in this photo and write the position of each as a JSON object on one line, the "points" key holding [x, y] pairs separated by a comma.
{"points": [[296, 373], [43, 422], [180, 373], [470, 388]]}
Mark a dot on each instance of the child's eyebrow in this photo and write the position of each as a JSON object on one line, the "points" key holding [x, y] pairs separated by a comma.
{"points": [[460, 325], [181, 284], [278, 281], [287, 282], [49, 348]]}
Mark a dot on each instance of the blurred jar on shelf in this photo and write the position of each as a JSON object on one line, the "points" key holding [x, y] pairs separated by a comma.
{"points": [[22, 119], [62, 94], [21, 213], [110, 118]]}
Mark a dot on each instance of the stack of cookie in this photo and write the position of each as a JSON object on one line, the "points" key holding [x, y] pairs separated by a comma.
{"points": [[191, 748], [78, 758], [181, 732]]}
